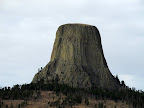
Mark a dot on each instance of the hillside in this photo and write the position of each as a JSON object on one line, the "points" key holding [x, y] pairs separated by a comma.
{"points": [[46, 96], [42, 95]]}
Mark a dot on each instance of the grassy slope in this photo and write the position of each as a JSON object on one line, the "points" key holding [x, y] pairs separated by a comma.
{"points": [[42, 102]]}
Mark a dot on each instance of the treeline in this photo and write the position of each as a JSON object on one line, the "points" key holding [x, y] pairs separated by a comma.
{"points": [[73, 95], [17, 92]]}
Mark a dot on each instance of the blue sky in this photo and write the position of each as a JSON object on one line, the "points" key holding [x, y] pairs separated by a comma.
{"points": [[28, 27]]}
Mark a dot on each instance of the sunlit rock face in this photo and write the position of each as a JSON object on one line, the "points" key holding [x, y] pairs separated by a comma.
{"points": [[77, 59]]}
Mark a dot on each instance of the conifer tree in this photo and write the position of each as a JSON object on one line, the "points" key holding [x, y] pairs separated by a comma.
{"points": [[11, 105], [86, 101]]}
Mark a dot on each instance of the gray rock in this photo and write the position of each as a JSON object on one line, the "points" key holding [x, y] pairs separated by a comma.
{"points": [[77, 59]]}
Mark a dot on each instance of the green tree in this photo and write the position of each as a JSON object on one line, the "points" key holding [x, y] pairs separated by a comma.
{"points": [[100, 105], [117, 79], [86, 101], [95, 106], [6, 106], [123, 83], [0, 103], [78, 99], [11, 105], [19, 106]]}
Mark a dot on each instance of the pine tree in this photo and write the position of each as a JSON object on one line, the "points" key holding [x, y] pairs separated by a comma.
{"points": [[6, 106], [11, 105], [117, 79], [95, 106], [19, 106], [0, 104], [86, 101]]}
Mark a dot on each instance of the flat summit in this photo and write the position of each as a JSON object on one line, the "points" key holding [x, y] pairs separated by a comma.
{"points": [[77, 59]]}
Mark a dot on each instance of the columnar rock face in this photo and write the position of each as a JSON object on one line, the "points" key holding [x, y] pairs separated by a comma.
{"points": [[77, 59]]}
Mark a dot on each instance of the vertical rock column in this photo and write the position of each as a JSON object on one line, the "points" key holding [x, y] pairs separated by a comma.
{"points": [[77, 59]]}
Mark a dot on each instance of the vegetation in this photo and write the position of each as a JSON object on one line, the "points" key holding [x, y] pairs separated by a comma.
{"points": [[86, 101], [16, 92], [73, 95]]}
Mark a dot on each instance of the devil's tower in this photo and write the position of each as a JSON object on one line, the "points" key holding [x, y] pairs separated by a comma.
{"points": [[77, 59]]}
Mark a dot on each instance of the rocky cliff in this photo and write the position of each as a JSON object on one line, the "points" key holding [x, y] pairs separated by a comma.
{"points": [[77, 59]]}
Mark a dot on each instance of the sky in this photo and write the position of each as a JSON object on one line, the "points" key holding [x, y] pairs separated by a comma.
{"points": [[28, 28]]}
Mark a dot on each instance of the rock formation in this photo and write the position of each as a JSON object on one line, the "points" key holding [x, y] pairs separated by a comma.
{"points": [[77, 59]]}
